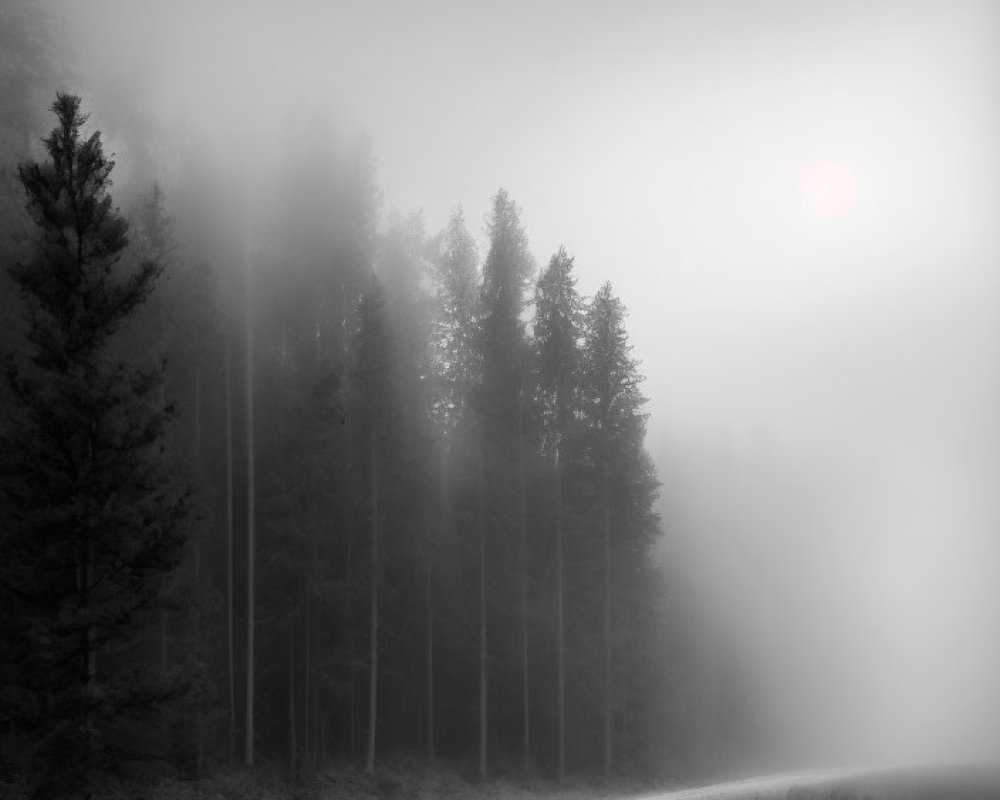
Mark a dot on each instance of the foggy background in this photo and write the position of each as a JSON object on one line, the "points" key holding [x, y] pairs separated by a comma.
{"points": [[798, 202]]}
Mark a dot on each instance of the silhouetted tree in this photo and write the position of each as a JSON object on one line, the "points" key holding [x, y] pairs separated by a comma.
{"points": [[507, 273], [557, 341], [455, 370], [93, 520], [623, 478], [371, 370]]}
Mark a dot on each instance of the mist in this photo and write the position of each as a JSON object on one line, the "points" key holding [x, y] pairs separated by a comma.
{"points": [[796, 202]]}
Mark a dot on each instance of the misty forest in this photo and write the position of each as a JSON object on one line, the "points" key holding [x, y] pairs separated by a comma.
{"points": [[304, 495]]}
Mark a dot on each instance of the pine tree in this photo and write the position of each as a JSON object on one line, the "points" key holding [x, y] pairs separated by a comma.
{"points": [[372, 396], [179, 320], [623, 476], [507, 273], [454, 351], [455, 369], [92, 519], [557, 341]]}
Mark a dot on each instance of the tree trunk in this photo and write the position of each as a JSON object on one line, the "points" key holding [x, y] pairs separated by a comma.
{"points": [[321, 740], [353, 721], [523, 557], [292, 743], [249, 728], [373, 658], [200, 700], [88, 675], [560, 624], [482, 613], [164, 635], [353, 533], [429, 731], [430, 663], [164, 612], [625, 675], [607, 619], [306, 664], [230, 605], [446, 536], [352, 725]]}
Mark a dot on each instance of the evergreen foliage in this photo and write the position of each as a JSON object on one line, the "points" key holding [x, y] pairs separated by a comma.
{"points": [[454, 510], [93, 521]]}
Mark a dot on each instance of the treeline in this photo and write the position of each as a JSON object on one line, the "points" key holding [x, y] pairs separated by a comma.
{"points": [[435, 469], [421, 517]]}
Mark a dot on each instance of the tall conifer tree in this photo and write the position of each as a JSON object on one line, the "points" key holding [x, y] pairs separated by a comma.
{"points": [[557, 340], [92, 521], [612, 409], [507, 273]]}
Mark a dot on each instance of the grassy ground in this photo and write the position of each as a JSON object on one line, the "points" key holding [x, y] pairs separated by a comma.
{"points": [[414, 781], [395, 781]]}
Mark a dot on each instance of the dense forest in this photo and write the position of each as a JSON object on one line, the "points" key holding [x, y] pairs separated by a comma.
{"points": [[334, 465], [286, 479]]}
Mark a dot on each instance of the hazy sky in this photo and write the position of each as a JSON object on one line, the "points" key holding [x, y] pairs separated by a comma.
{"points": [[797, 201]]}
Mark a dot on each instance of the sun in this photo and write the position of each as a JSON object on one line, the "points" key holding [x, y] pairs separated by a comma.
{"points": [[829, 189]]}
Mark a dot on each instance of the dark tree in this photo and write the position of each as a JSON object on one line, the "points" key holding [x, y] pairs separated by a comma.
{"points": [[372, 394], [92, 520], [557, 341], [625, 487], [507, 273], [454, 370]]}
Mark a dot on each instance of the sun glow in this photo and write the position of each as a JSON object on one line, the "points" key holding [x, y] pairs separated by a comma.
{"points": [[828, 189]]}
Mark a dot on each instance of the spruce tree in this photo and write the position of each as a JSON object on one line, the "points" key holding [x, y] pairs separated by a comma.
{"points": [[625, 484], [507, 273], [557, 342], [453, 333], [372, 399], [91, 519]]}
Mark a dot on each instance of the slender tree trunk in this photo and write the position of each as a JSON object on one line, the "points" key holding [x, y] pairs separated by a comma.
{"points": [[318, 716], [624, 729], [353, 532], [560, 624], [164, 635], [321, 739], [164, 612], [200, 700], [292, 743], [353, 721], [607, 619], [373, 659], [429, 714], [306, 664], [482, 614], [251, 545], [430, 662], [352, 648], [446, 535], [230, 605], [523, 568], [88, 676], [310, 691]]}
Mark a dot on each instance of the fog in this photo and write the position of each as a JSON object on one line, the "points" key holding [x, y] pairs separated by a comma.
{"points": [[797, 202]]}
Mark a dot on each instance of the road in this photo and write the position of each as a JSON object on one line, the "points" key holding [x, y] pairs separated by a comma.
{"points": [[885, 783], [761, 788]]}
